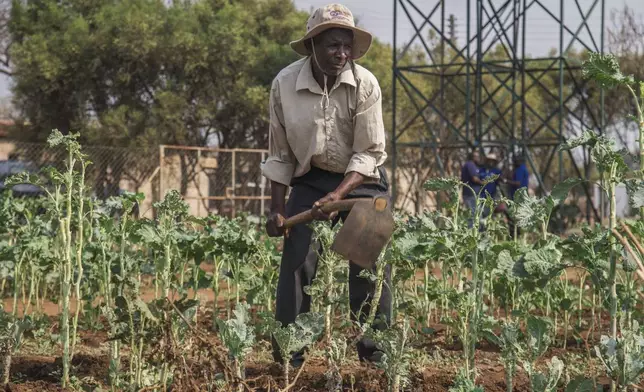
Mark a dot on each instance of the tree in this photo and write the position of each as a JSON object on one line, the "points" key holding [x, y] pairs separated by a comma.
{"points": [[142, 73]]}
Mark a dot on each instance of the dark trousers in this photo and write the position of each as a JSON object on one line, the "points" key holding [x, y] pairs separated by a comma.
{"points": [[299, 259]]}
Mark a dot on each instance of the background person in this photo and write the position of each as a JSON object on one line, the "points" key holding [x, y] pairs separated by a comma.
{"points": [[489, 169], [520, 178]]}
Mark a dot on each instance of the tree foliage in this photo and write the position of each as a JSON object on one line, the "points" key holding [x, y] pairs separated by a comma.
{"points": [[141, 72]]}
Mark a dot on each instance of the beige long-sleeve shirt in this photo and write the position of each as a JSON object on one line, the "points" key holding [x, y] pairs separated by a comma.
{"points": [[342, 134]]}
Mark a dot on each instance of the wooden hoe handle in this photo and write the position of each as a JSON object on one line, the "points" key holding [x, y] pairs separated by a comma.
{"points": [[340, 205]]}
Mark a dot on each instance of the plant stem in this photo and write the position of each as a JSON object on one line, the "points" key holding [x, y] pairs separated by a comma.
{"points": [[428, 308], [612, 281], [166, 270], [613, 261], [286, 366], [6, 361], [16, 275], [67, 268], [380, 278], [582, 283], [79, 255]]}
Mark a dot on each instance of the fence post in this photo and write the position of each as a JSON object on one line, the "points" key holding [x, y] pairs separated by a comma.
{"points": [[232, 211], [262, 186], [161, 160]]}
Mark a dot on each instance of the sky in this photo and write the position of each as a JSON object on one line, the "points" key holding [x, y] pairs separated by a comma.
{"points": [[543, 31]]}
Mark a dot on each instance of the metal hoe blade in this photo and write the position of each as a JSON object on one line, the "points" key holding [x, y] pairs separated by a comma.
{"points": [[365, 232]]}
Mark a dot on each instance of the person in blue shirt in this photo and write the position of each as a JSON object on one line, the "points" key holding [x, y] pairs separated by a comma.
{"points": [[470, 176], [520, 176], [490, 169], [520, 179]]}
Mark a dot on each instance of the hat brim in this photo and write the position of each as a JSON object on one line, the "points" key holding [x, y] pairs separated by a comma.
{"points": [[361, 39]]}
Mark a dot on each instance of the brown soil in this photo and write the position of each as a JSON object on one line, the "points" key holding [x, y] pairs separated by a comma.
{"points": [[31, 372], [90, 366]]}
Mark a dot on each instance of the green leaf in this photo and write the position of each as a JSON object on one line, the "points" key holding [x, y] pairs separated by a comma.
{"points": [[23, 178], [606, 156], [586, 138], [539, 338], [566, 304], [442, 184], [528, 210], [541, 261], [505, 264], [304, 331], [604, 69], [491, 179], [560, 191], [150, 235], [635, 189], [237, 333], [144, 309], [580, 384]]}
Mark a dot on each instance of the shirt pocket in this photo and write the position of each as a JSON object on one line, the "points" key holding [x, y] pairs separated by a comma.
{"points": [[345, 121]]}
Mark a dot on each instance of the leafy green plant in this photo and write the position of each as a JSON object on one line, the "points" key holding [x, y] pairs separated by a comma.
{"points": [[306, 329], [238, 337], [11, 334], [535, 213], [463, 383], [326, 289], [613, 169], [508, 340], [545, 382], [68, 186], [604, 69], [335, 352], [623, 357], [396, 357]]}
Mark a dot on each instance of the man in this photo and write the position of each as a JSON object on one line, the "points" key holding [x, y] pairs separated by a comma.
{"points": [[327, 142], [520, 176], [470, 177], [488, 170]]}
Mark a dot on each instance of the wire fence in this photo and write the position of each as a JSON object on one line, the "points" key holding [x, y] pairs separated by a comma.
{"points": [[212, 181], [215, 180], [223, 181]]}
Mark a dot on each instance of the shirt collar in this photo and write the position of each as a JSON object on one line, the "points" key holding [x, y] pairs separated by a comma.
{"points": [[305, 79]]}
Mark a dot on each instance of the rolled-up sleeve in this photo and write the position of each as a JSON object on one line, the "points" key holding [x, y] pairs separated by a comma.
{"points": [[280, 163], [369, 133]]}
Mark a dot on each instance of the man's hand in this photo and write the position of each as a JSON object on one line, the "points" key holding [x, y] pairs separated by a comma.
{"points": [[316, 211], [275, 225]]}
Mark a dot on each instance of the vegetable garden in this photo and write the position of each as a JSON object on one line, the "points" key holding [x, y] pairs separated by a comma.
{"points": [[98, 299]]}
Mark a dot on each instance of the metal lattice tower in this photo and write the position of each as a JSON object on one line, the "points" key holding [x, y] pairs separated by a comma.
{"points": [[484, 87]]}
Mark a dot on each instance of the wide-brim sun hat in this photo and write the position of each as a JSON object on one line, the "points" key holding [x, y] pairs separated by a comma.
{"points": [[329, 17]]}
